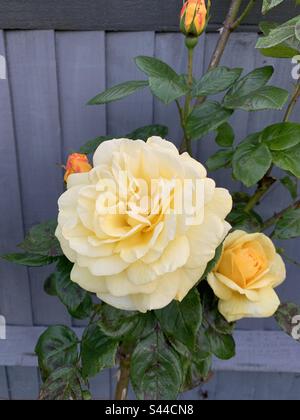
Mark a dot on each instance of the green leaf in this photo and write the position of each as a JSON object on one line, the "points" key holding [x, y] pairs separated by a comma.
{"points": [[156, 372], [225, 136], [116, 323], [206, 118], [50, 285], [182, 320], [92, 145], [64, 384], [288, 160], [29, 260], [288, 318], [219, 160], [287, 49], [41, 240], [250, 221], [222, 345], [98, 351], [291, 185], [196, 373], [253, 81], [164, 82], [280, 34], [281, 136], [269, 4], [213, 318], [118, 92], [288, 226], [57, 347], [211, 265], [251, 160], [268, 97], [78, 301], [144, 133], [216, 81]]}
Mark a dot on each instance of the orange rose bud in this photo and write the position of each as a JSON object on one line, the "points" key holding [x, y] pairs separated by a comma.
{"points": [[193, 17], [77, 163]]}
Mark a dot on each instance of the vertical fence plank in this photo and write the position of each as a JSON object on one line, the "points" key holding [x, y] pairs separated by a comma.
{"points": [[32, 66], [239, 53], [81, 75], [23, 383], [171, 49], [4, 391], [137, 110], [15, 299]]}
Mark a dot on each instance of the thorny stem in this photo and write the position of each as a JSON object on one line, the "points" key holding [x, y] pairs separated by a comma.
{"points": [[270, 222], [293, 102], [245, 13], [124, 374]]}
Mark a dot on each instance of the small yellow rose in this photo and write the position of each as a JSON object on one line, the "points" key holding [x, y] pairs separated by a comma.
{"points": [[129, 243], [246, 275]]}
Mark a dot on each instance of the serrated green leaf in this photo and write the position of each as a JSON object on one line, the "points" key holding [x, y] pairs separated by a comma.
{"points": [[117, 323], [92, 145], [267, 97], [288, 226], [249, 221], [164, 82], [287, 49], [216, 81], [41, 240], [220, 160], [291, 185], [98, 351], [118, 92], [222, 345], [29, 260], [50, 285], [78, 301], [205, 118], [56, 348], [288, 160], [278, 35], [144, 133], [281, 136], [64, 384], [270, 4], [182, 320], [225, 135], [251, 160], [156, 372]]}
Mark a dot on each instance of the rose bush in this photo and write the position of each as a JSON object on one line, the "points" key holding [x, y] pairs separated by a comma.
{"points": [[246, 275], [139, 257]]}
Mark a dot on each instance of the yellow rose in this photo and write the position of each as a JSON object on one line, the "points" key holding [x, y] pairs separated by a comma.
{"points": [[136, 255], [246, 275]]}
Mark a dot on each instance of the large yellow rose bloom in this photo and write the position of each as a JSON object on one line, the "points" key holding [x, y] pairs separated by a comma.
{"points": [[140, 258], [246, 275]]}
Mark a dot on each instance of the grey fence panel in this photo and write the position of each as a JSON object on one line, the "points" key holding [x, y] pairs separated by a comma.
{"points": [[44, 117], [33, 78], [137, 110]]}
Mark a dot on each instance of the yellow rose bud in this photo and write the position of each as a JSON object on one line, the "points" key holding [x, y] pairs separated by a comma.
{"points": [[246, 275], [193, 17], [77, 163]]}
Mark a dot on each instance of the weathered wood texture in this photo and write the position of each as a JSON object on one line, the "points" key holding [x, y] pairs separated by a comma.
{"points": [[116, 15], [43, 117]]}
